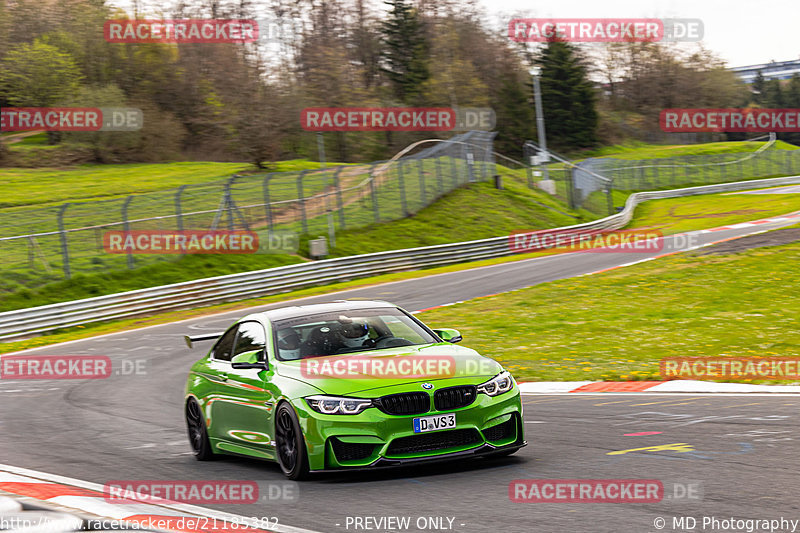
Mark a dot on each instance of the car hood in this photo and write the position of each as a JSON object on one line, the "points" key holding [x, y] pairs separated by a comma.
{"points": [[393, 368]]}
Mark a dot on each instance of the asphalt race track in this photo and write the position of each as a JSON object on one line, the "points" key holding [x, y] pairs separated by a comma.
{"points": [[734, 456]]}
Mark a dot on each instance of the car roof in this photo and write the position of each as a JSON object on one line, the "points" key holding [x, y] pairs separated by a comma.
{"points": [[296, 311]]}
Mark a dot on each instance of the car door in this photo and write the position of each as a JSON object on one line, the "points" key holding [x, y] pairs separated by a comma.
{"points": [[244, 404], [219, 366]]}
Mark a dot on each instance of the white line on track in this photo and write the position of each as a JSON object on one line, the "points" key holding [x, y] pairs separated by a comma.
{"points": [[193, 509]]}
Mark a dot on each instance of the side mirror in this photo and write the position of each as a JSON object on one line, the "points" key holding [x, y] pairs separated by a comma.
{"points": [[247, 360], [449, 335]]}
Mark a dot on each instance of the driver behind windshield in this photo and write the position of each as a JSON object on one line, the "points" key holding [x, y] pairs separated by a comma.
{"points": [[289, 343], [353, 335]]}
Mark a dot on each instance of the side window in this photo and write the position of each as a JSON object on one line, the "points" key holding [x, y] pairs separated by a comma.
{"points": [[251, 337], [223, 350], [402, 330]]}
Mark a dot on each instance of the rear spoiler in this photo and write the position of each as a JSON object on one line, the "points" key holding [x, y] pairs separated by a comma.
{"points": [[194, 338]]}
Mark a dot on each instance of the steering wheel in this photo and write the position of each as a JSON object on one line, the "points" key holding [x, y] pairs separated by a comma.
{"points": [[390, 341]]}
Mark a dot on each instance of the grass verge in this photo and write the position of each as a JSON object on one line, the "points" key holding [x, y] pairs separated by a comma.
{"points": [[617, 325], [676, 215], [478, 211]]}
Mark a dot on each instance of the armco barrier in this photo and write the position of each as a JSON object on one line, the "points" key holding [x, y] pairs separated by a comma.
{"points": [[26, 322]]}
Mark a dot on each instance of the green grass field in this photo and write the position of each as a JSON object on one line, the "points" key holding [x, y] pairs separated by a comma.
{"points": [[676, 215], [43, 186], [654, 151], [505, 210], [474, 211]]}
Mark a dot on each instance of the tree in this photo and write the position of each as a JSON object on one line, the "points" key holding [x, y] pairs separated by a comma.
{"points": [[773, 96], [5, 20], [568, 98], [758, 88], [515, 118], [793, 92], [38, 75], [642, 79], [405, 51], [454, 80]]}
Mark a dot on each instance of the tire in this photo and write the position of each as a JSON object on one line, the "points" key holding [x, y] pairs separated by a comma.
{"points": [[290, 446], [198, 435]]}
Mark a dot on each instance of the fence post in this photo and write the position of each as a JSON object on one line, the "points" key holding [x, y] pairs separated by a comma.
{"points": [[470, 159], [570, 187], [423, 195], [439, 175], [178, 209], [373, 192], [338, 186], [229, 202], [486, 164], [672, 177], [609, 197], [656, 183], [641, 174], [127, 227], [402, 187], [63, 237], [301, 199], [31, 256], [454, 169], [267, 204]]}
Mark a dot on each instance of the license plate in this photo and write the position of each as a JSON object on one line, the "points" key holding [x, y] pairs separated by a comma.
{"points": [[434, 423]]}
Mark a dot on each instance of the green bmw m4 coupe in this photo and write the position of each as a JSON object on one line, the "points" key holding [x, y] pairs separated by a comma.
{"points": [[347, 385]]}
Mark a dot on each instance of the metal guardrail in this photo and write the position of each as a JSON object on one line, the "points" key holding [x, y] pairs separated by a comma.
{"points": [[27, 322]]}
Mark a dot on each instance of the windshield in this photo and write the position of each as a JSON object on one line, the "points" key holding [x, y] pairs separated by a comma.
{"points": [[349, 331]]}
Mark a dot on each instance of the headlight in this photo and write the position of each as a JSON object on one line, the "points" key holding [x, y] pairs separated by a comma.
{"points": [[333, 405], [502, 382]]}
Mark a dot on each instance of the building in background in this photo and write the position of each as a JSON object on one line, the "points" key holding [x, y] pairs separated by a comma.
{"points": [[774, 70]]}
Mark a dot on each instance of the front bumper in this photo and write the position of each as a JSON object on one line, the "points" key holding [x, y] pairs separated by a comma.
{"points": [[485, 450], [373, 439]]}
